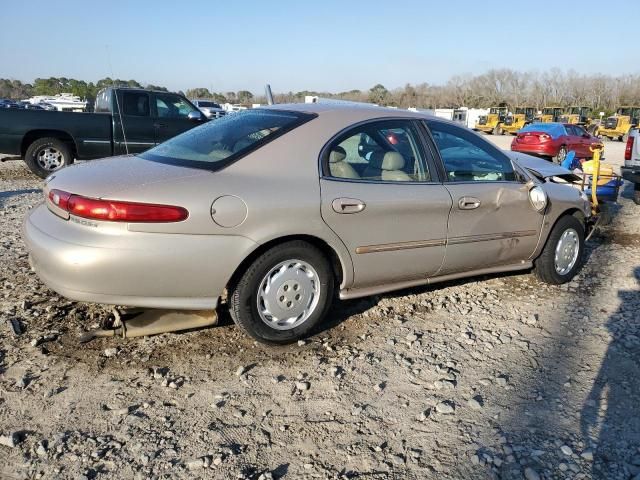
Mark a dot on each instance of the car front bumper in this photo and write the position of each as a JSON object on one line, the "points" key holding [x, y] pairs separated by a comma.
{"points": [[152, 270]]}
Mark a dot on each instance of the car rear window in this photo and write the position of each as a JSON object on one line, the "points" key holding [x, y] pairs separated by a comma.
{"points": [[553, 129], [216, 144]]}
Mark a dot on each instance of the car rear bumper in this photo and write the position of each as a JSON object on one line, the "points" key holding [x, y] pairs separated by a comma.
{"points": [[152, 270], [631, 174], [533, 149]]}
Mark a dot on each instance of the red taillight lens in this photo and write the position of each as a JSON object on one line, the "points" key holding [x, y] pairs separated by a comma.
{"points": [[59, 198], [629, 148], [116, 211]]}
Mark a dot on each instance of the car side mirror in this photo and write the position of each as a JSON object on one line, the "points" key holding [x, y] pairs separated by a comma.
{"points": [[195, 116]]}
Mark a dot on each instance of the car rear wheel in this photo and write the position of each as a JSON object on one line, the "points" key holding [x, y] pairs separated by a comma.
{"points": [[284, 294], [46, 155], [561, 257], [561, 155]]}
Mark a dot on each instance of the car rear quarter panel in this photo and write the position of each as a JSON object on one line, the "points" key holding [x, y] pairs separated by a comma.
{"points": [[278, 183]]}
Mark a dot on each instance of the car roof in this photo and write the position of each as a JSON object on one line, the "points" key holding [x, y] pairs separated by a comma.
{"points": [[364, 110]]}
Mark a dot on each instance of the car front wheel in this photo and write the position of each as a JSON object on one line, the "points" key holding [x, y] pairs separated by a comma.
{"points": [[561, 257], [284, 294]]}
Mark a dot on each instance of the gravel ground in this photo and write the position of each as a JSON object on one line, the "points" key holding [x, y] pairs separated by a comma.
{"points": [[492, 377]]}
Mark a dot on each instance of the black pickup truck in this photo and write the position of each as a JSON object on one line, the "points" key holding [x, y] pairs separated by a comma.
{"points": [[126, 120]]}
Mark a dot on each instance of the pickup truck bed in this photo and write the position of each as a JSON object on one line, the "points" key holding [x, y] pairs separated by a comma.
{"points": [[89, 133]]}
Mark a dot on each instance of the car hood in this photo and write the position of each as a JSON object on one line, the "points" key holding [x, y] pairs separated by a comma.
{"points": [[542, 168], [106, 177]]}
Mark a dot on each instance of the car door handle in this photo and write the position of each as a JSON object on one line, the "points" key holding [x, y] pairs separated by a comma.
{"points": [[348, 205], [468, 203]]}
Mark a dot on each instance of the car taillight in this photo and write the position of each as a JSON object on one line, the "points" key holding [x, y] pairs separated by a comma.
{"points": [[544, 137], [59, 198], [629, 148], [116, 211]]}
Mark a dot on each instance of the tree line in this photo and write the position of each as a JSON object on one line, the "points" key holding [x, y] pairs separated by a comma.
{"points": [[494, 87], [17, 90], [500, 87]]}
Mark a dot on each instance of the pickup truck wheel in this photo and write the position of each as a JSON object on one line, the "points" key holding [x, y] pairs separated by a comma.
{"points": [[561, 256], [284, 294], [47, 155]]}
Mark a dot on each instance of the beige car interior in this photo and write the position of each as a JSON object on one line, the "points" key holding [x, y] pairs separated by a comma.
{"points": [[387, 166], [338, 166]]}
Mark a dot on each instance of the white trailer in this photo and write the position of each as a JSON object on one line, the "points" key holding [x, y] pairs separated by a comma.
{"points": [[469, 116], [446, 113]]}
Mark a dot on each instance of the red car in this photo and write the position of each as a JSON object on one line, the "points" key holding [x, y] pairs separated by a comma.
{"points": [[554, 140]]}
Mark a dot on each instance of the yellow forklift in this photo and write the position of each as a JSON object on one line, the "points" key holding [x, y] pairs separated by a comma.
{"points": [[492, 122], [550, 114], [617, 126], [515, 121]]}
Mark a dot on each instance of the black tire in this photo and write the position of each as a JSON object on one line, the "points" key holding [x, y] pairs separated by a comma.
{"points": [[561, 155], [243, 296], [544, 265], [34, 156]]}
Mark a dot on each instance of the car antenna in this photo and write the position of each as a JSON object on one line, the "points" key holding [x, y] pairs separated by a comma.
{"points": [[268, 94], [115, 93]]}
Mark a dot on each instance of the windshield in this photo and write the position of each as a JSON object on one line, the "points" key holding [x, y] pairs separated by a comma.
{"points": [[553, 129], [216, 144]]}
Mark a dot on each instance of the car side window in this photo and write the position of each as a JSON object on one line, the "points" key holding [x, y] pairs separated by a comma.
{"points": [[135, 104], [172, 106], [383, 151], [579, 131], [469, 158]]}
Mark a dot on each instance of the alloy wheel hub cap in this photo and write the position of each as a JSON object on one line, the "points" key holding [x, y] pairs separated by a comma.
{"points": [[567, 251], [288, 294], [50, 158]]}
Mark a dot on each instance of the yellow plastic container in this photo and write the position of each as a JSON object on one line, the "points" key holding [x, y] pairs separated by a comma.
{"points": [[605, 175]]}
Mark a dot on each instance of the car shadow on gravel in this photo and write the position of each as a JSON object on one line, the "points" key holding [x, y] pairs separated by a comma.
{"points": [[14, 193], [611, 413], [598, 429]]}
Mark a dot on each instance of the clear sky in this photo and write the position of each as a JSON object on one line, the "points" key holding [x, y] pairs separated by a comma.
{"points": [[329, 45]]}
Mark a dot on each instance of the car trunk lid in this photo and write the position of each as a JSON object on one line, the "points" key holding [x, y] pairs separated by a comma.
{"points": [[529, 138], [105, 178]]}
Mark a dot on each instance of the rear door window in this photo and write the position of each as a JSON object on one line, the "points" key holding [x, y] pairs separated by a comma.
{"points": [[382, 151]]}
